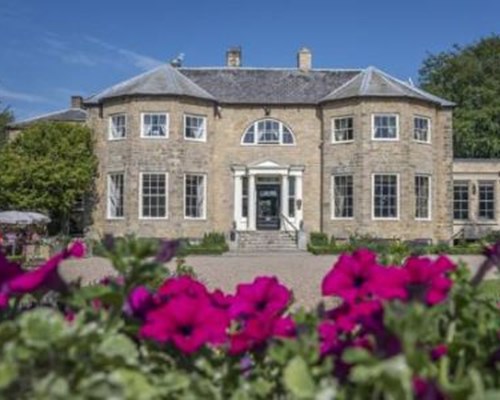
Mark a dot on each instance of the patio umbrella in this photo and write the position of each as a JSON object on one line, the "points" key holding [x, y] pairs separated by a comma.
{"points": [[22, 218]]}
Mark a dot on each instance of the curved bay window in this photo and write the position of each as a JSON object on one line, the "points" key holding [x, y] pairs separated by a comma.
{"points": [[268, 131]]}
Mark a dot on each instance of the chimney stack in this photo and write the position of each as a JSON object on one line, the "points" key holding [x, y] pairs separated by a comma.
{"points": [[304, 59], [76, 102], [233, 57]]}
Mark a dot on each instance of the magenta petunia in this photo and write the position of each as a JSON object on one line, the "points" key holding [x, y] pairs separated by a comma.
{"points": [[353, 276], [77, 249], [186, 322], [426, 390], [256, 331], [139, 302], [439, 351], [221, 300], [264, 296], [183, 285], [328, 337]]}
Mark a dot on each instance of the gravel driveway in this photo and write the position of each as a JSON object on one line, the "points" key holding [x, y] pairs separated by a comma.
{"points": [[301, 272]]}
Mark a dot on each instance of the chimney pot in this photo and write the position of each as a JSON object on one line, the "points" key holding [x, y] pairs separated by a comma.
{"points": [[233, 57], [304, 59], [76, 102]]}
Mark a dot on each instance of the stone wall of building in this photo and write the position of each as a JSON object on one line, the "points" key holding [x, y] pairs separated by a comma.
{"points": [[405, 157]]}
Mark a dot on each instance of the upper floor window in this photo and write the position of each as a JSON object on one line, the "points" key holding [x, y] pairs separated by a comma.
{"points": [[342, 129], [422, 129], [385, 127], [117, 126], [268, 131], [195, 127], [486, 201], [154, 125], [461, 200]]}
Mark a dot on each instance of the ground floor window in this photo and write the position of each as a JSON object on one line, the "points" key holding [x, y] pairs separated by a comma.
{"points": [[115, 195], [461, 200], [342, 196], [291, 196], [422, 197], [486, 203], [153, 195], [195, 193], [244, 197], [385, 196]]}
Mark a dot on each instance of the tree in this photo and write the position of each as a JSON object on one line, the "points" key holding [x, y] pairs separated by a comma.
{"points": [[470, 77], [47, 168], [6, 117]]}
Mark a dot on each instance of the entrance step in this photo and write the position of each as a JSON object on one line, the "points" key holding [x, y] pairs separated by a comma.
{"points": [[269, 241]]}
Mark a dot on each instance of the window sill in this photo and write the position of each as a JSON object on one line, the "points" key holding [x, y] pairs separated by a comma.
{"points": [[117, 139], [203, 140], [153, 218], [342, 142], [385, 139]]}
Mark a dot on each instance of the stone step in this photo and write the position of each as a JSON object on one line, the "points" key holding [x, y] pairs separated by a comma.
{"points": [[267, 240]]}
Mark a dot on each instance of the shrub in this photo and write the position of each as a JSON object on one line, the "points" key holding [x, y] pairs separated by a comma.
{"points": [[318, 239]]}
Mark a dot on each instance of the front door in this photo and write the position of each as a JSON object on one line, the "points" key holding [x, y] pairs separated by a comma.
{"points": [[268, 207]]}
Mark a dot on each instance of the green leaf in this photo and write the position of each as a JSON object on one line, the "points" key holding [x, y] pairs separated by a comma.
{"points": [[8, 373], [118, 347], [41, 327], [298, 380], [357, 356]]}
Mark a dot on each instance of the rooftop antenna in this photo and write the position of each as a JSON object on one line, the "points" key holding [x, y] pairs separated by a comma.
{"points": [[177, 61]]}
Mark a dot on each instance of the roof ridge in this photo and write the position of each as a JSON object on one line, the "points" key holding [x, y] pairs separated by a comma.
{"points": [[341, 87], [272, 69]]}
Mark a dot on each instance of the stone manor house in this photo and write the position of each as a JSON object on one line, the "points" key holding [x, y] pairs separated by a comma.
{"points": [[277, 153]]}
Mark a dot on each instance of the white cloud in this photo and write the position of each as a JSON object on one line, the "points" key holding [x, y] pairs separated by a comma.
{"points": [[138, 60], [21, 96]]}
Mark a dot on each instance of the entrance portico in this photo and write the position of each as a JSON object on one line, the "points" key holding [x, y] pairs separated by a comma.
{"points": [[268, 196]]}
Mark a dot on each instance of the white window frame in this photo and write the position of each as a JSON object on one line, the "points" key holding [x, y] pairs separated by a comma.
{"points": [[141, 174], [333, 130], [204, 119], [463, 183], [111, 128], [429, 197], [484, 183], [398, 197], [332, 197], [256, 142], [205, 184], [429, 129], [167, 125], [108, 198], [394, 139]]}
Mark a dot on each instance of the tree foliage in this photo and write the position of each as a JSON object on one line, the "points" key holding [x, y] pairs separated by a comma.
{"points": [[47, 167], [470, 77], [6, 117]]}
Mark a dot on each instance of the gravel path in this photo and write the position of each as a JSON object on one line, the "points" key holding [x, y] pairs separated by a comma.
{"points": [[301, 272]]}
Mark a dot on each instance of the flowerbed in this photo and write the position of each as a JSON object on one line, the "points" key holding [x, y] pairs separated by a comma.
{"points": [[421, 330]]}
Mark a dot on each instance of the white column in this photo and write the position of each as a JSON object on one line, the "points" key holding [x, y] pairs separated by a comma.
{"points": [[284, 200], [252, 212], [298, 195], [237, 201]]}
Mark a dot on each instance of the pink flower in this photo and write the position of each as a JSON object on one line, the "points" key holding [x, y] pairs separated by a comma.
{"points": [[353, 276], [265, 296], [221, 300], [349, 315], [139, 302], [77, 249], [426, 390], [183, 285], [186, 322], [493, 253], [167, 250], [328, 337], [426, 280], [439, 351], [256, 331]]}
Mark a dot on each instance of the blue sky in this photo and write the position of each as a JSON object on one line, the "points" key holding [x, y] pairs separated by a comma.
{"points": [[51, 49]]}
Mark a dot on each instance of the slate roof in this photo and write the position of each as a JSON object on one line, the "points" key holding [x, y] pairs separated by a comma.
{"points": [[164, 80], [372, 82], [66, 115], [266, 85]]}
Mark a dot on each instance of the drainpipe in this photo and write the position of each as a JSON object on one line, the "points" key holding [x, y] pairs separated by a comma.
{"points": [[321, 168]]}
